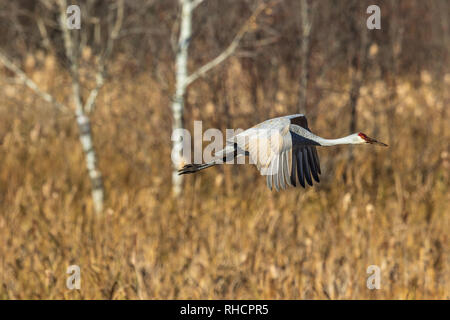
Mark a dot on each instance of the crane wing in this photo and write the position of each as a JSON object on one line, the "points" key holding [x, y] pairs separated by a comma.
{"points": [[305, 166], [263, 141], [306, 163], [302, 159], [284, 157]]}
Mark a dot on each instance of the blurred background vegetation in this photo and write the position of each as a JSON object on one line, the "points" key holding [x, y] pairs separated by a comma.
{"points": [[227, 235]]}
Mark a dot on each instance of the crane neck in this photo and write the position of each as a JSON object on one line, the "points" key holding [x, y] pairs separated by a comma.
{"points": [[351, 139]]}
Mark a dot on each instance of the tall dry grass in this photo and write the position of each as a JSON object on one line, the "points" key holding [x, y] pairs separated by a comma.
{"points": [[228, 236]]}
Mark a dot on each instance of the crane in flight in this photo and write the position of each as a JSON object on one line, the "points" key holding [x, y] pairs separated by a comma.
{"points": [[283, 149]]}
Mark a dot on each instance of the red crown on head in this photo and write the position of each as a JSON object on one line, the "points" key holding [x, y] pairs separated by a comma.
{"points": [[363, 136]]}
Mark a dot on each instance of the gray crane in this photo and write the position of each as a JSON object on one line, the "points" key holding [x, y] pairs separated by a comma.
{"points": [[283, 149]]}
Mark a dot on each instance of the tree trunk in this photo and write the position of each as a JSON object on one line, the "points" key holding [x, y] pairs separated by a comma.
{"points": [[84, 127], [180, 89], [357, 72], [304, 72], [358, 67]]}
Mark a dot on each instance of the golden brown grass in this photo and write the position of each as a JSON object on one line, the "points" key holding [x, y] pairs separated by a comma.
{"points": [[228, 236]]}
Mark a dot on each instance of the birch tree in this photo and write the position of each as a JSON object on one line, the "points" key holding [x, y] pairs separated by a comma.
{"points": [[183, 79], [82, 107]]}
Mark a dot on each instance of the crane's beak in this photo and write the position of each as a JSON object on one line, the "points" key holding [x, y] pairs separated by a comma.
{"points": [[373, 141]]}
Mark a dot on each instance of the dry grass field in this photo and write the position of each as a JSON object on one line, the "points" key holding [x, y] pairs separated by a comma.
{"points": [[228, 236]]}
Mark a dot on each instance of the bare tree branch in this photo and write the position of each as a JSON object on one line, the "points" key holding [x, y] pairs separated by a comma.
{"points": [[72, 55], [100, 76], [230, 49], [195, 3], [30, 83], [43, 31]]}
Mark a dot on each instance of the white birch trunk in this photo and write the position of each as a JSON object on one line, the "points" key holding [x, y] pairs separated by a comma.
{"points": [[181, 74], [85, 132], [84, 127]]}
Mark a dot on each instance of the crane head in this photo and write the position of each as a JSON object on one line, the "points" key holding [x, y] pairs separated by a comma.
{"points": [[367, 139]]}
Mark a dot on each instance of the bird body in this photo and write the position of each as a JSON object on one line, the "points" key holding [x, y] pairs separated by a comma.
{"points": [[283, 149]]}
